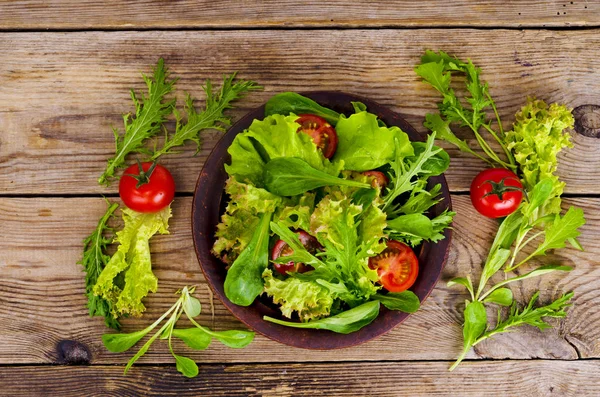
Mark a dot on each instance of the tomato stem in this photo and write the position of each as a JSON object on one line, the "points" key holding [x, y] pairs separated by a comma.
{"points": [[144, 176], [499, 188]]}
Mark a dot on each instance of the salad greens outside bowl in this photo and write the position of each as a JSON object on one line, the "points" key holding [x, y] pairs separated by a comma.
{"points": [[210, 201]]}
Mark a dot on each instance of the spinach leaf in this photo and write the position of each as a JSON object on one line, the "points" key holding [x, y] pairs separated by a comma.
{"points": [[291, 102], [244, 279], [344, 323], [405, 301], [289, 176]]}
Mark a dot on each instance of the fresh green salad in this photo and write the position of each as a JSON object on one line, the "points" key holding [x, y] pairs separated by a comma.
{"points": [[324, 214]]}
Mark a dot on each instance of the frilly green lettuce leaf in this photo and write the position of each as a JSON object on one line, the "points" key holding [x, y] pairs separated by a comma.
{"points": [[365, 145], [275, 136], [133, 259], [308, 299], [538, 135], [335, 225], [296, 214], [240, 219]]}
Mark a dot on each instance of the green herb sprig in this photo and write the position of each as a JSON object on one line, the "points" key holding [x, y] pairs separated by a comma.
{"points": [[197, 337], [530, 150], [151, 111], [211, 117], [93, 261]]}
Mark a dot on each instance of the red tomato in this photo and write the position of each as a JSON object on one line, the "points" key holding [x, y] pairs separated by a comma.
{"points": [[378, 178], [150, 192], [496, 192], [322, 133], [397, 266], [282, 249]]}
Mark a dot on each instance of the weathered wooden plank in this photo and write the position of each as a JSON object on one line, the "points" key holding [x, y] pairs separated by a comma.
{"points": [[535, 378], [69, 14], [41, 290], [62, 92]]}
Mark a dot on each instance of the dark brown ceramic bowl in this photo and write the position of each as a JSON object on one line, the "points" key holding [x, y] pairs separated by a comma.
{"points": [[209, 203]]}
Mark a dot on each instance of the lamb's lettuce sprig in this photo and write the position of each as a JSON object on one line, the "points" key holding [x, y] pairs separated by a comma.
{"points": [[197, 337]]}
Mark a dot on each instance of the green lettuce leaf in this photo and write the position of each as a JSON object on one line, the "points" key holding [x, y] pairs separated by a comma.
{"points": [[275, 136], [363, 145], [132, 259], [241, 217], [535, 140], [308, 299], [335, 225]]}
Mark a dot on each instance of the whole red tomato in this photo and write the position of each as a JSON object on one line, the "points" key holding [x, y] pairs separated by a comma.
{"points": [[496, 192], [149, 191]]}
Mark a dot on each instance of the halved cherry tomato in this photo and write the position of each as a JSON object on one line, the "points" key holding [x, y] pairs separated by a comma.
{"points": [[397, 266], [378, 179], [496, 192], [150, 192], [281, 248], [322, 133]]}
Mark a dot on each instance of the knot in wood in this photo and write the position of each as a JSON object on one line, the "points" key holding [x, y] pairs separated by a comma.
{"points": [[73, 352], [587, 120]]}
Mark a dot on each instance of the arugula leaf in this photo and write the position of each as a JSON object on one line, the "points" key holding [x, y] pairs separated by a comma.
{"points": [[420, 199], [292, 103], [151, 111], [556, 234], [530, 315], [343, 323], [133, 259], [93, 261], [363, 145], [435, 123], [405, 301], [289, 176], [405, 169], [435, 164], [244, 282], [211, 117], [437, 69]]}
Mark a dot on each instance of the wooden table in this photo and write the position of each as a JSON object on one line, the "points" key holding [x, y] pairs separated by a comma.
{"points": [[65, 72]]}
